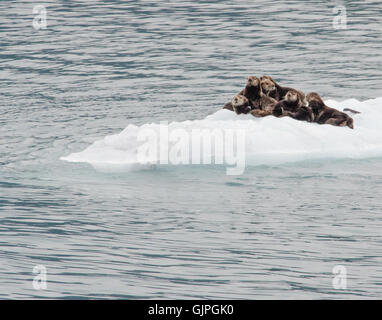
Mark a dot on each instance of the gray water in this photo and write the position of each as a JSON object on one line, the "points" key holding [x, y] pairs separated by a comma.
{"points": [[189, 231]]}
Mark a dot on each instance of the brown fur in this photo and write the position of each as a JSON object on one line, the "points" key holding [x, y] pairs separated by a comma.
{"points": [[265, 106], [293, 107], [228, 106], [326, 115], [252, 92], [272, 89], [292, 101], [240, 104], [303, 114], [261, 104]]}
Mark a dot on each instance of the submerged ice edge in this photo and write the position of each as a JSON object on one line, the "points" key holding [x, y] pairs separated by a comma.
{"points": [[237, 141]]}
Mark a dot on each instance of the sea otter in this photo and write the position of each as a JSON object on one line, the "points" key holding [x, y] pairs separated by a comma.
{"points": [[240, 104], [265, 106], [257, 100], [272, 89], [251, 91], [293, 107], [261, 104], [326, 115]]}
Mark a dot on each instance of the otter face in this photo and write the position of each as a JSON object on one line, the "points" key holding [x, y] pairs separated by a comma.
{"points": [[291, 96], [239, 100], [252, 81], [315, 101], [313, 97], [240, 104], [267, 84]]}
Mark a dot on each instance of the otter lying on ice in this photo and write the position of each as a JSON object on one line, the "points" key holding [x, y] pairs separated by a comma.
{"points": [[256, 99], [326, 115], [263, 97]]}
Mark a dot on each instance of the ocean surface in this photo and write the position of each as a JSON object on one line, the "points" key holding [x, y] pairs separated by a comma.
{"points": [[74, 97]]}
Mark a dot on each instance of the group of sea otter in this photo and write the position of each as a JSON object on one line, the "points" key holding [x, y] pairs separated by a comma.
{"points": [[264, 96]]}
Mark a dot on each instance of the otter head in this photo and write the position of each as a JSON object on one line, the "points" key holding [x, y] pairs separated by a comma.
{"points": [[253, 81], [240, 104], [292, 96], [315, 101], [267, 84]]}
